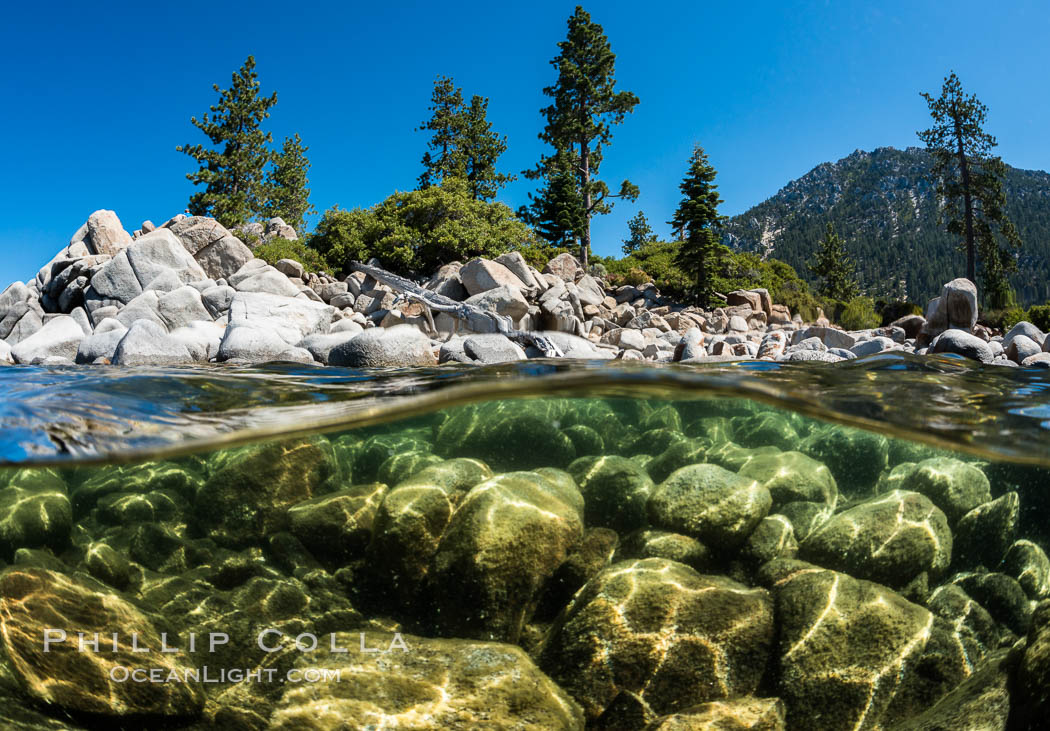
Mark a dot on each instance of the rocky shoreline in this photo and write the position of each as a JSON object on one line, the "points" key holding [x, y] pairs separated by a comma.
{"points": [[190, 291]]}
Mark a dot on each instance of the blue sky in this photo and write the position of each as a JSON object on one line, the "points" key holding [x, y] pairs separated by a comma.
{"points": [[96, 97]]}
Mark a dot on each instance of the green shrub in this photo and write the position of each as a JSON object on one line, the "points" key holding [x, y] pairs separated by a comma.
{"points": [[417, 231], [277, 248], [892, 311], [859, 314], [1039, 315]]}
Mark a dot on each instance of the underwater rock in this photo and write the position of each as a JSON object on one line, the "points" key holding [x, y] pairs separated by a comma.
{"points": [[659, 630], [985, 533], [1032, 695], [733, 457], [652, 442], [853, 654], [890, 539], [805, 517], [764, 429], [369, 456], [735, 714], [586, 440], [680, 454], [1002, 596], [118, 508], [402, 465], [615, 492], [34, 512], [1028, 563], [411, 521], [435, 683], [856, 458], [952, 603], [248, 494], [671, 546], [505, 540], [592, 555], [981, 701], [712, 504], [507, 440], [954, 486], [337, 525], [792, 477], [135, 479], [773, 538], [107, 565], [34, 600]]}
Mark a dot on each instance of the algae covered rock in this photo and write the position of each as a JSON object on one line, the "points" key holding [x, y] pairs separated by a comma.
{"points": [[856, 458], [338, 524], [248, 494], [431, 684], [736, 714], [954, 486], [1028, 563], [659, 630], [982, 701], [522, 437], [505, 540], [672, 546], [712, 504], [34, 511], [1032, 697], [853, 654], [774, 537], [34, 601], [890, 539], [413, 517], [985, 533], [764, 429], [680, 454], [792, 476], [615, 491]]}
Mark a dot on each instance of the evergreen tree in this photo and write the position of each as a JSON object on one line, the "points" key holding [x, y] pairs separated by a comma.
{"points": [[287, 194], [480, 148], [585, 106], [837, 272], [232, 169], [697, 217], [970, 186], [446, 125], [556, 211], [640, 233], [463, 142]]}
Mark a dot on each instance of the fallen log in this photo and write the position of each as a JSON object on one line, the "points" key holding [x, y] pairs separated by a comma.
{"points": [[476, 319]]}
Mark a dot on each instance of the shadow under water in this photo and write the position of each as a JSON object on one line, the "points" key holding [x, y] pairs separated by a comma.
{"points": [[542, 545]]}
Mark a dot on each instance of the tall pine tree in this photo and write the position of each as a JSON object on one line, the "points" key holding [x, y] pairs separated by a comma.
{"points": [[232, 169], [837, 272], [585, 107], [480, 148], [640, 233], [556, 211], [288, 196], [462, 143], [970, 186], [698, 221], [442, 159]]}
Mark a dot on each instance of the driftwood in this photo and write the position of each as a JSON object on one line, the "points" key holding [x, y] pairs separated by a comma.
{"points": [[476, 319]]}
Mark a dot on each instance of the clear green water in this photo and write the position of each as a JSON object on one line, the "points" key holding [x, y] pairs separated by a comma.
{"points": [[543, 546]]}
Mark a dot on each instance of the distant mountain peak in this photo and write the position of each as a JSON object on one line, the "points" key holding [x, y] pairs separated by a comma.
{"points": [[883, 204]]}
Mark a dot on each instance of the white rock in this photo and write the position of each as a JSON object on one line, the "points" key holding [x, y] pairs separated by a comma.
{"points": [[201, 338], [320, 346], [59, 336], [147, 343], [401, 345], [223, 257], [503, 300], [290, 319], [480, 275], [143, 307], [257, 345], [181, 307], [105, 234], [258, 276]]}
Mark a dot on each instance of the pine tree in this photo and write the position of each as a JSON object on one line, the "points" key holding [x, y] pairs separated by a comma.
{"points": [[463, 142], [446, 126], [288, 196], [232, 170], [970, 186], [698, 219], [556, 211], [585, 106], [837, 272], [640, 233], [480, 148]]}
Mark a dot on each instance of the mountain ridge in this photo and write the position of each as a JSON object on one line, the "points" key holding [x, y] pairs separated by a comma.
{"points": [[883, 204]]}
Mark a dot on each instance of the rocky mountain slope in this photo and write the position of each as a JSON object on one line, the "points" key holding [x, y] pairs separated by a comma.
{"points": [[883, 204]]}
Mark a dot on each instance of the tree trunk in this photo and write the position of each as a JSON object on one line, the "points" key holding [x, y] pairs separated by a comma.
{"points": [[964, 169], [585, 235]]}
